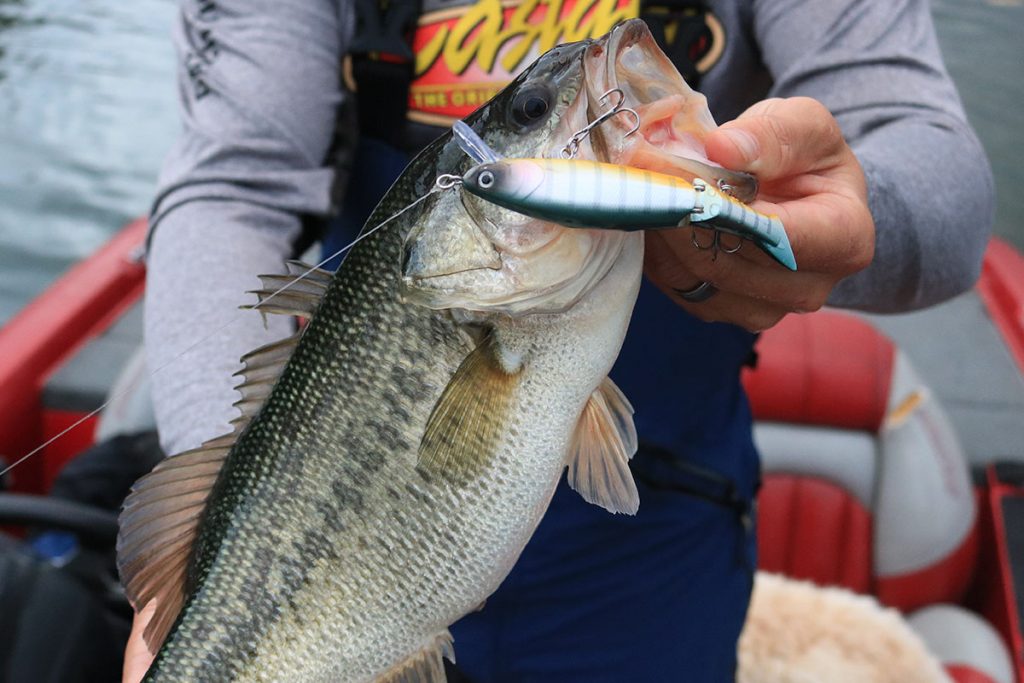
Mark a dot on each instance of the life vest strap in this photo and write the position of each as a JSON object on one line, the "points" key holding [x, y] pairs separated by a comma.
{"points": [[379, 67]]}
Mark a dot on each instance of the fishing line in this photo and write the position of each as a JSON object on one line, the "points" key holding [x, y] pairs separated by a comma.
{"points": [[220, 329]]}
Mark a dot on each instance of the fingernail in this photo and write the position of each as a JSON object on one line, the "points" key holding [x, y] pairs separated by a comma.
{"points": [[744, 141]]}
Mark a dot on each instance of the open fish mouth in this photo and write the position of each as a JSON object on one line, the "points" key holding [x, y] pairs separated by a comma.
{"points": [[673, 118], [473, 255]]}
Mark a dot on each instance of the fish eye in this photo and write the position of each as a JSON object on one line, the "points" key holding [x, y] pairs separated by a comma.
{"points": [[531, 104], [485, 180]]}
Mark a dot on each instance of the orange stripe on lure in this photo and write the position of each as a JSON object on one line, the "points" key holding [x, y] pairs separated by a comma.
{"points": [[589, 194]]}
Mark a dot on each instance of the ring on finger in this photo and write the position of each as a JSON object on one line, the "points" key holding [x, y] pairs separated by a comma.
{"points": [[702, 292]]}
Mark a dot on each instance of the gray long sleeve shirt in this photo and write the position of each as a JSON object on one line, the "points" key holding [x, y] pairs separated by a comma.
{"points": [[260, 91]]}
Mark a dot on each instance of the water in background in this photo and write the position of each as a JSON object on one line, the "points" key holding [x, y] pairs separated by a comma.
{"points": [[87, 111], [981, 42]]}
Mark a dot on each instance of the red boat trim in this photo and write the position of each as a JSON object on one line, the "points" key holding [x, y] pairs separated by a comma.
{"points": [[944, 581], [827, 369], [75, 309], [1001, 288], [966, 674], [815, 530]]}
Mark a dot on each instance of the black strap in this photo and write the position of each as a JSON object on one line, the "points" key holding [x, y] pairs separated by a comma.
{"points": [[660, 469], [382, 64], [667, 471]]}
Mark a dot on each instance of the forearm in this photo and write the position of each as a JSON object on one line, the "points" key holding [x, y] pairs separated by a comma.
{"points": [[260, 94], [202, 260], [933, 207], [876, 66]]}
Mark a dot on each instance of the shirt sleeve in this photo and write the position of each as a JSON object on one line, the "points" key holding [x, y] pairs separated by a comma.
{"points": [[876, 65], [260, 92]]}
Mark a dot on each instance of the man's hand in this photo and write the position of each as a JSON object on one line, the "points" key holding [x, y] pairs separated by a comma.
{"points": [[137, 656], [810, 177]]}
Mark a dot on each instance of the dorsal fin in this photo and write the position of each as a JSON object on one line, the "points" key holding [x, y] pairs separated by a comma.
{"points": [[604, 441], [160, 518], [286, 295], [264, 365], [296, 268], [259, 373], [300, 304]]}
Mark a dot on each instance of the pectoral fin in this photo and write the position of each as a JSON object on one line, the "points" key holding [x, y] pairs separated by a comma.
{"points": [[466, 424], [604, 441]]}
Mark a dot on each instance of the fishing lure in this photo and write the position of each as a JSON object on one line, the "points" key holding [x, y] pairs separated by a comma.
{"points": [[590, 194], [472, 144]]}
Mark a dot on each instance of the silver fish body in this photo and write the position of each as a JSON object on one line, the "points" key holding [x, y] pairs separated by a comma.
{"points": [[385, 482]]}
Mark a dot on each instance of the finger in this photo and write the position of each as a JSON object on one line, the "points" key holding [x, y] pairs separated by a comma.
{"points": [[724, 307], [749, 273], [829, 233], [137, 657], [778, 138], [662, 266]]}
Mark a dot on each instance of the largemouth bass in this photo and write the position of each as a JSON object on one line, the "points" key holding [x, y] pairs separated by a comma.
{"points": [[394, 457]]}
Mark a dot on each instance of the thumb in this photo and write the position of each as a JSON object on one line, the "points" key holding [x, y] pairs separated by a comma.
{"points": [[778, 138], [137, 657]]}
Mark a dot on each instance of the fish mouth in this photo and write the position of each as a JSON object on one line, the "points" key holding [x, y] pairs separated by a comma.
{"points": [[674, 119], [475, 264]]}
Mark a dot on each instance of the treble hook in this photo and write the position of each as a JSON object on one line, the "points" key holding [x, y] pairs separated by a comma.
{"points": [[716, 245], [573, 146]]}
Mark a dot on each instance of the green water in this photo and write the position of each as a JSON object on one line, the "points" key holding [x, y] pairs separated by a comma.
{"points": [[87, 111], [983, 44]]}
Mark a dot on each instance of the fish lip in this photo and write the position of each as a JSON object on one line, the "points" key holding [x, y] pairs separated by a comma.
{"points": [[627, 34], [600, 62], [631, 62], [619, 39]]}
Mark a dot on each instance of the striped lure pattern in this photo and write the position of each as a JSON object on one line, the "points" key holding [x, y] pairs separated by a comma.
{"points": [[584, 194], [596, 195]]}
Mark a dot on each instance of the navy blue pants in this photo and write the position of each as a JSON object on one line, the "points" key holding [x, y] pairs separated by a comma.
{"points": [[598, 597], [654, 598]]}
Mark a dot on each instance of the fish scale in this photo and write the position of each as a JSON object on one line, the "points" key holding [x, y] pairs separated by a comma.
{"points": [[399, 356], [449, 372], [377, 333]]}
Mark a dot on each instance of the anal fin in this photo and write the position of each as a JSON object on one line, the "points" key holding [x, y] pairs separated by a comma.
{"points": [[604, 441], [160, 518], [424, 666], [158, 525]]}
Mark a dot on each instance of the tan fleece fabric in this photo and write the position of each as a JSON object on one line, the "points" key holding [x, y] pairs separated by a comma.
{"points": [[798, 632]]}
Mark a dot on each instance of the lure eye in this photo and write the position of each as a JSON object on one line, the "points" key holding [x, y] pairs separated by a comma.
{"points": [[486, 180], [531, 104]]}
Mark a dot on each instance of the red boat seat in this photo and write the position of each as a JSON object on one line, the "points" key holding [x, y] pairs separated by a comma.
{"points": [[798, 513], [865, 483]]}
